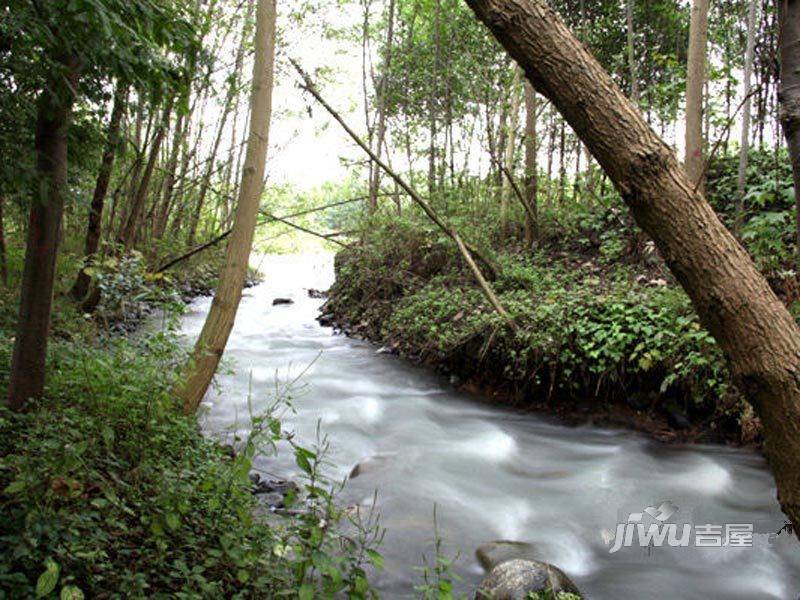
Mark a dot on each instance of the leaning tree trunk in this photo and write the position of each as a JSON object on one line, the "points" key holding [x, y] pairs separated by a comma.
{"points": [[93, 231], [210, 346], [695, 83], [759, 337], [790, 91], [54, 113]]}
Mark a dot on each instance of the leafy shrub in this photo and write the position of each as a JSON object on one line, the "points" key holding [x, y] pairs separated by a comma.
{"points": [[108, 491]]}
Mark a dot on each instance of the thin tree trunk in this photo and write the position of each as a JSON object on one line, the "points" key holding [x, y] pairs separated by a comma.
{"points": [[741, 179], [432, 100], [790, 92], [54, 113], [508, 153], [633, 71], [162, 216], [94, 228], [206, 181], [3, 260], [375, 179], [127, 235], [219, 323], [531, 173], [695, 84], [759, 337]]}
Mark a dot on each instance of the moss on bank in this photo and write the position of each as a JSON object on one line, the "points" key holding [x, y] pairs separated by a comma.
{"points": [[597, 338]]}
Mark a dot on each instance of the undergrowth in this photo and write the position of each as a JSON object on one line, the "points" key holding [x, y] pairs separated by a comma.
{"points": [[108, 491]]}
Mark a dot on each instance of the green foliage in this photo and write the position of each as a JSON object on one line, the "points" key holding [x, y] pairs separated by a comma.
{"points": [[107, 489], [587, 327]]}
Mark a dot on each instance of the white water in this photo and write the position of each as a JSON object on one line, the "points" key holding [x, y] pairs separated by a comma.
{"points": [[493, 473]]}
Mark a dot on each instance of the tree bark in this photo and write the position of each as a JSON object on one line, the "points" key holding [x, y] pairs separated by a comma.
{"points": [[758, 336], [531, 172], [741, 179], [219, 323], [94, 228], [695, 83], [790, 92], [54, 113]]}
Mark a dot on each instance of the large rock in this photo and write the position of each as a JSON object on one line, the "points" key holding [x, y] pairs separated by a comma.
{"points": [[519, 579], [495, 553]]}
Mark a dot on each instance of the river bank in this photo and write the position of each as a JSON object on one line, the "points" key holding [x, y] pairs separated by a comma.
{"points": [[599, 342]]}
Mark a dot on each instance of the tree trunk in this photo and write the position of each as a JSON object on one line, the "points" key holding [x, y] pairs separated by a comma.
{"points": [[746, 110], [170, 177], [94, 229], [759, 337], [54, 113], [432, 100], [633, 71], [790, 92], [695, 83], [3, 259], [214, 337], [531, 173], [508, 151], [127, 235], [206, 181], [375, 179]]}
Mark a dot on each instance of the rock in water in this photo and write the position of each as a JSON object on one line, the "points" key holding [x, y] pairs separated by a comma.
{"points": [[317, 294], [371, 464], [282, 301], [520, 579], [495, 553]]}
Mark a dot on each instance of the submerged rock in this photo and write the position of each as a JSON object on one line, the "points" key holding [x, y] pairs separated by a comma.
{"points": [[495, 553], [317, 294], [282, 301], [371, 464], [273, 492], [518, 579]]}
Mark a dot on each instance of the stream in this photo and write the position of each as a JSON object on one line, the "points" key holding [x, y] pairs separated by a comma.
{"points": [[492, 473]]}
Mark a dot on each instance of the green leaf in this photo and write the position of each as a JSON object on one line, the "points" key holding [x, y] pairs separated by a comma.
{"points": [[47, 581], [306, 592], [375, 558], [173, 521], [14, 487], [71, 592]]}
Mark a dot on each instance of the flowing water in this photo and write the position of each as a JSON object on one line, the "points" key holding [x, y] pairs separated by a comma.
{"points": [[494, 474]]}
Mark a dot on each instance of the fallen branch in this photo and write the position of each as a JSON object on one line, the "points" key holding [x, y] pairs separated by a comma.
{"points": [[309, 86], [270, 219]]}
